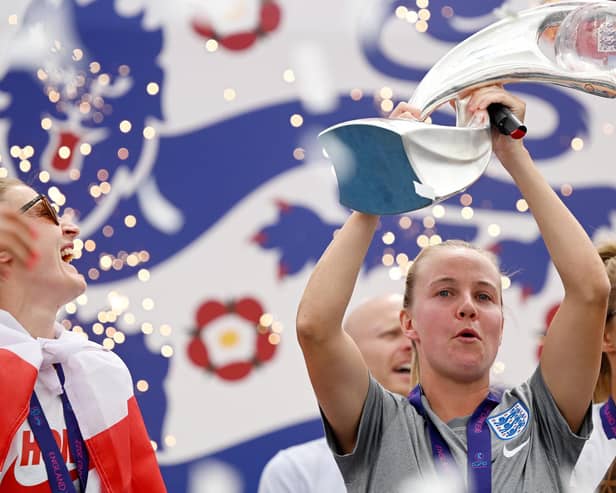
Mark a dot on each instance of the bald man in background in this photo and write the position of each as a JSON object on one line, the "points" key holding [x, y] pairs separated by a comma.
{"points": [[375, 327]]}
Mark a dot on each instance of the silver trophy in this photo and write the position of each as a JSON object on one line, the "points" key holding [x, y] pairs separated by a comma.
{"points": [[390, 166]]}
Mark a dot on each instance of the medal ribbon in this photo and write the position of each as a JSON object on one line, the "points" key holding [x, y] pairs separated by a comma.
{"points": [[478, 441], [608, 418], [76, 442], [57, 472]]}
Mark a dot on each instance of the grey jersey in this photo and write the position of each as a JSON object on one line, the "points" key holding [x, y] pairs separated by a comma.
{"points": [[533, 448]]}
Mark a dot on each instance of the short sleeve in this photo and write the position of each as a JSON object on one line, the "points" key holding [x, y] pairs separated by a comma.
{"points": [[557, 437], [356, 464]]}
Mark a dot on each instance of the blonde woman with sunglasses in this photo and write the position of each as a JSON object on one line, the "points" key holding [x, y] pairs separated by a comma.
{"points": [[69, 421]]}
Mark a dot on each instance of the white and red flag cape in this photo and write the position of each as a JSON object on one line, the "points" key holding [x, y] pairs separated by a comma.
{"points": [[100, 390]]}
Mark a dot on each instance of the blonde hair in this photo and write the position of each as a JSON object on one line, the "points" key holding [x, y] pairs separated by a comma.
{"points": [[607, 252], [6, 183], [411, 279]]}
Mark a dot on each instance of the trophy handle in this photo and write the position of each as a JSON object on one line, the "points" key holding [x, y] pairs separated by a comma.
{"points": [[484, 59]]}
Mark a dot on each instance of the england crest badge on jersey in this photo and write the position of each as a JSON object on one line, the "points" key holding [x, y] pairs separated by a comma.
{"points": [[511, 422]]}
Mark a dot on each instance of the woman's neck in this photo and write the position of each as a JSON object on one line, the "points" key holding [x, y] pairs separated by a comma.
{"points": [[452, 399], [38, 326], [36, 318]]}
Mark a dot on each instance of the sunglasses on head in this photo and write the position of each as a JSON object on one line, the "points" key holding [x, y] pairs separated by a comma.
{"points": [[47, 207]]}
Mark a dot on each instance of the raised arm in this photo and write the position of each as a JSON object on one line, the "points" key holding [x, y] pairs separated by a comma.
{"points": [[571, 355], [335, 365], [337, 370]]}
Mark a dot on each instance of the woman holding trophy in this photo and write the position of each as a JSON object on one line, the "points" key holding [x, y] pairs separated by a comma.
{"points": [[69, 420], [525, 439]]}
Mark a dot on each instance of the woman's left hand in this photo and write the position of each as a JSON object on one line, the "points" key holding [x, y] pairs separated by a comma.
{"points": [[484, 97], [405, 111]]}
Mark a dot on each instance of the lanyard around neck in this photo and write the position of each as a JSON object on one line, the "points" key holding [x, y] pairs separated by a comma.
{"points": [[57, 472], [479, 456], [608, 418]]}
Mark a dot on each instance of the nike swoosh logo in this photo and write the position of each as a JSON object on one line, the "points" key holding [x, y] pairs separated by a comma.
{"points": [[510, 453], [9, 483]]}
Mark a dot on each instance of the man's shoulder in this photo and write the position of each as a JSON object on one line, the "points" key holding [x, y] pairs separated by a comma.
{"points": [[302, 468], [303, 451]]}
